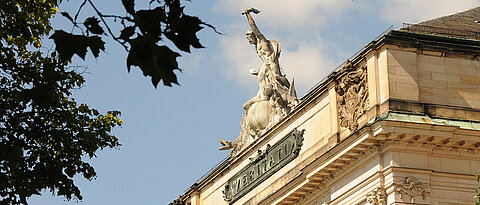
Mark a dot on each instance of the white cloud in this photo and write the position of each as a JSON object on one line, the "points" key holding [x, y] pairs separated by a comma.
{"points": [[308, 64], [287, 13], [415, 11], [191, 63], [308, 61], [305, 56], [239, 56]]}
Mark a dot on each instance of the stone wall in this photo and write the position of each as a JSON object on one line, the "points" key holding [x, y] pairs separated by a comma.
{"points": [[428, 77]]}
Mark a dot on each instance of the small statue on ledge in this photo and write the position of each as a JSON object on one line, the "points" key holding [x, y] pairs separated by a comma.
{"points": [[275, 98]]}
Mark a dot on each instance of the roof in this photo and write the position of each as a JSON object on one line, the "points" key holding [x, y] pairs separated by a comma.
{"points": [[459, 25], [459, 21]]}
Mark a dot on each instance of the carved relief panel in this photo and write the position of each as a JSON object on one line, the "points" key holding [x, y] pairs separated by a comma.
{"points": [[352, 95]]}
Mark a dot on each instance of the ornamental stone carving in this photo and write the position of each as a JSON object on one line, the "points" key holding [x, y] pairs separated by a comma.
{"points": [[275, 98], [412, 188], [377, 196], [352, 95]]}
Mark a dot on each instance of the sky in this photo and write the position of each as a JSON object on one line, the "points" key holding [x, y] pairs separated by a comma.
{"points": [[171, 134]]}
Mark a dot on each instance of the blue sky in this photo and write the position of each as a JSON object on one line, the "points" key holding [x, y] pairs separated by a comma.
{"points": [[171, 135]]}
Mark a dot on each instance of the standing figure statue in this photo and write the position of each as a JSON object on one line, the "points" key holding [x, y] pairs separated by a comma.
{"points": [[270, 76], [275, 98], [274, 90]]}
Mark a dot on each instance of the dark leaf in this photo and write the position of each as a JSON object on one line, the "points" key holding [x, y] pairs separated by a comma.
{"points": [[50, 74], [175, 10], [159, 62], [149, 21], [40, 95], [69, 44], [92, 25], [66, 15], [70, 171], [96, 44], [127, 33], [184, 34], [129, 6]]}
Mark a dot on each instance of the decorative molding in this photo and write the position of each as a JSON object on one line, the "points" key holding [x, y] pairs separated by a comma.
{"points": [[433, 146], [412, 188], [377, 196], [352, 95], [322, 184]]}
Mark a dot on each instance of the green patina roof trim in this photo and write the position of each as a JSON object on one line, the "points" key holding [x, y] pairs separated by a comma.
{"points": [[425, 119]]}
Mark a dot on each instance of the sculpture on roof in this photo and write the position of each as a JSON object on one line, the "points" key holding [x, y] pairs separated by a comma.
{"points": [[275, 98]]}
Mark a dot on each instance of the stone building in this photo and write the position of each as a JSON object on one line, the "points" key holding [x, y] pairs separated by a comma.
{"points": [[398, 123]]}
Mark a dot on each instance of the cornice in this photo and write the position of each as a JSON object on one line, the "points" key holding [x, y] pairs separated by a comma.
{"points": [[432, 42], [380, 135]]}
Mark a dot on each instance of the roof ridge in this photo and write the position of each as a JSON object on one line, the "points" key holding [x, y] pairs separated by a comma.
{"points": [[455, 14], [460, 25]]}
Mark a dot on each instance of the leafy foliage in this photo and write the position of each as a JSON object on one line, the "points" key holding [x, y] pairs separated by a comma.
{"points": [[92, 25], [78, 44], [143, 31], [44, 133]]}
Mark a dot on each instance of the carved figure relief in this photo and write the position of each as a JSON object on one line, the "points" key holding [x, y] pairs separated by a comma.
{"points": [[377, 197], [412, 188], [275, 98], [352, 98]]}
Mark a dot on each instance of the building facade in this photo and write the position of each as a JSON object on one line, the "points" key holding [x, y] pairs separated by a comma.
{"points": [[398, 123]]}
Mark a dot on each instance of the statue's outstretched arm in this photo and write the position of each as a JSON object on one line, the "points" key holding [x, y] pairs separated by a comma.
{"points": [[253, 25]]}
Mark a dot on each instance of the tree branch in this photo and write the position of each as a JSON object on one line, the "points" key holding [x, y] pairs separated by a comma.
{"points": [[120, 17], [79, 9], [106, 25]]}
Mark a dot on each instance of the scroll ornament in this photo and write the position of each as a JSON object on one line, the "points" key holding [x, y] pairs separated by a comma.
{"points": [[412, 188], [352, 98]]}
